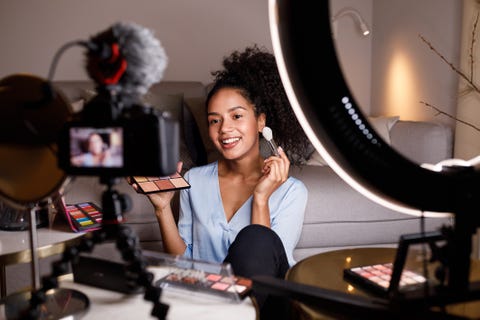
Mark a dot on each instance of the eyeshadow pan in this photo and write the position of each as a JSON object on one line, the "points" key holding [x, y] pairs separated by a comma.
{"points": [[179, 182], [164, 184], [148, 186], [220, 286]]}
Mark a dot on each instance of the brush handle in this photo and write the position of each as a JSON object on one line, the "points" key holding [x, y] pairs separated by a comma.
{"points": [[274, 147]]}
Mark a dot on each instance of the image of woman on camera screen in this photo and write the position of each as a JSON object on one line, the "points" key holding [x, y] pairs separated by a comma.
{"points": [[97, 152]]}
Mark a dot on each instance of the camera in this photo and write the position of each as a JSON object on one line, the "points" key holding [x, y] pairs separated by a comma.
{"points": [[115, 134], [139, 141]]}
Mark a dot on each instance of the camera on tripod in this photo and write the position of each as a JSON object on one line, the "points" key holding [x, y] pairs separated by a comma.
{"points": [[116, 134], [140, 141]]}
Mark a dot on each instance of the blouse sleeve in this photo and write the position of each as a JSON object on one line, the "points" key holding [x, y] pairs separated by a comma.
{"points": [[185, 219], [288, 220]]}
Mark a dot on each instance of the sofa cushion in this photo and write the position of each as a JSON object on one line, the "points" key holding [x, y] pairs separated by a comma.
{"points": [[433, 141], [173, 104]]}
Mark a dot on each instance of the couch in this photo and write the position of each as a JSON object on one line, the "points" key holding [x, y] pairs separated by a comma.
{"points": [[336, 217]]}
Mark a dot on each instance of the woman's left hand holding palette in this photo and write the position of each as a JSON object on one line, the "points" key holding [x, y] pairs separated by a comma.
{"points": [[160, 184]]}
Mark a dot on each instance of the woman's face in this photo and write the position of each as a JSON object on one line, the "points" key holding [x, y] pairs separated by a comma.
{"points": [[95, 144], [232, 124]]}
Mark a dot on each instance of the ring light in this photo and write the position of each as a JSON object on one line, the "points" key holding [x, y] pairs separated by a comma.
{"points": [[341, 134]]}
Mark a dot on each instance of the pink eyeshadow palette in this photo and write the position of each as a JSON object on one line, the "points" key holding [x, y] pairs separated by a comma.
{"points": [[160, 184], [377, 277], [84, 216], [211, 283]]}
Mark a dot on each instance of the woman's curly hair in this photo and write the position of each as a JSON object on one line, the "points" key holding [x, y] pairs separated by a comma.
{"points": [[254, 72]]}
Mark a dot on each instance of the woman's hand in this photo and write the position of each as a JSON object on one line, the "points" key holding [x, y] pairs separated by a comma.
{"points": [[275, 172], [159, 200]]}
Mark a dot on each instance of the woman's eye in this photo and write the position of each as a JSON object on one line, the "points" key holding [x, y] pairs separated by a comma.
{"points": [[237, 116], [213, 121]]}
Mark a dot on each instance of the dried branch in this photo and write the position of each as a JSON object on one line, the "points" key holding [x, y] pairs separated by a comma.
{"points": [[471, 86], [472, 46], [448, 115], [459, 72]]}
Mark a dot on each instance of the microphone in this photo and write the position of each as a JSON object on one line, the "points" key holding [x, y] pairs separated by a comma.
{"points": [[102, 50], [124, 61], [268, 135], [126, 55]]}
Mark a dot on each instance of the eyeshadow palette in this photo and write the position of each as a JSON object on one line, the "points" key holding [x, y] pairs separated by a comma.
{"points": [[228, 286], [160, 184], [377, 277], [83, 216]]}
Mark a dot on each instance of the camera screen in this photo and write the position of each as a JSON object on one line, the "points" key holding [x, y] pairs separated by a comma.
{"points": [[96, 147]]}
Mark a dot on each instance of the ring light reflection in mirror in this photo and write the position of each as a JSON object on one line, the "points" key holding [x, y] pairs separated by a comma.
{"points": [[365, 162]]}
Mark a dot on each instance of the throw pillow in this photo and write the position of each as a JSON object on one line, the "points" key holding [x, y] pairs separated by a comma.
{"points": [[173, 104]]}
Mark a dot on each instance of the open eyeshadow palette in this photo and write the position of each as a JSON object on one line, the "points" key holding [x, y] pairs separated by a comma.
{"points": [[377, 278], [227, 286], [84, 216], [160, 184], [199, 277]]}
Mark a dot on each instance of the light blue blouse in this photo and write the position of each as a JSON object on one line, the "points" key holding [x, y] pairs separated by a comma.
{"points": [[204, 228]]}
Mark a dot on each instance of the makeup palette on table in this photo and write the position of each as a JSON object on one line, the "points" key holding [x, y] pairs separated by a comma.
{"points": [[196, 277], [84, 216], [160, 184], [377, 278], [210, 283]]}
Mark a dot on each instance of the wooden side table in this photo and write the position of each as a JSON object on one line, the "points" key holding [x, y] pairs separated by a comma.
{"points": [[325, 271]]}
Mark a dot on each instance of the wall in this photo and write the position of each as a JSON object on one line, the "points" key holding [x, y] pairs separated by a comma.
{"points": [[195, 34], [467, 142], [404, 70], [354, 50]]}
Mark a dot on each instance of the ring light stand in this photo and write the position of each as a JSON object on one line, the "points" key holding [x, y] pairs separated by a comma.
{"points": [[342, 135]]}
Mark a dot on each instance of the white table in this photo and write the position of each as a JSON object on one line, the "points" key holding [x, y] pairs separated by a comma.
{"points": [[106, 304], [15, 247]]}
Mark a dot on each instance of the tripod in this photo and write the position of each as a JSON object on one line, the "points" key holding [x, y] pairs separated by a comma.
{"points": [[113, 205]]}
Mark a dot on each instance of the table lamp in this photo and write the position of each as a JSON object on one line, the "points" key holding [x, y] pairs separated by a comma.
{"points": [[343, 136]]}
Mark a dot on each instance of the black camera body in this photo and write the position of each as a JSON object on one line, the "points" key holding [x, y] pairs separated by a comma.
{"points": [[139, 140]]}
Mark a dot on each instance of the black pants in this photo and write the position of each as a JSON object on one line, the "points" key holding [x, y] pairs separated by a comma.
{"points": [[257, 250]]}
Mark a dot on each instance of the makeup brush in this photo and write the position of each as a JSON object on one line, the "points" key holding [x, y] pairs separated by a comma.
{"points": [[268, 135]]}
